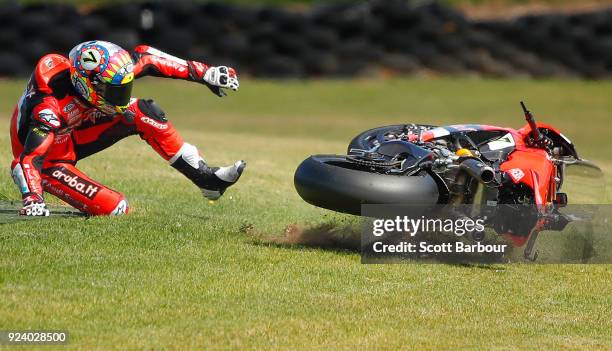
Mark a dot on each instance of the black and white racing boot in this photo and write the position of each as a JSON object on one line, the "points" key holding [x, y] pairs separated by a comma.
{"points": [[213, 181]]}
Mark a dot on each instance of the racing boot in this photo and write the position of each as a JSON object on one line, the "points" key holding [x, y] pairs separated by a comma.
{"points": [[213, 181]]}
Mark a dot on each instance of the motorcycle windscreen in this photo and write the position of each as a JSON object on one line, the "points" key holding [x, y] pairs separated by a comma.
{"points": [[584, 183]]}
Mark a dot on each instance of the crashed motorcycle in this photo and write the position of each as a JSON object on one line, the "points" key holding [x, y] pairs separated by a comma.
{"points": [[415, 164]]}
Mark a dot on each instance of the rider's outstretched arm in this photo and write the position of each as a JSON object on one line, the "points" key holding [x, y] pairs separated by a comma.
{"points": [[149, 61]]}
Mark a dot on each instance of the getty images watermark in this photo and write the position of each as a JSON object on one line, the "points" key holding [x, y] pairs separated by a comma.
{"points": [[486, 234], [413, 226]]}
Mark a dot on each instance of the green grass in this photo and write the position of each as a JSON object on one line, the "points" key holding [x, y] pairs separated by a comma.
{"points": [[180, 273]]}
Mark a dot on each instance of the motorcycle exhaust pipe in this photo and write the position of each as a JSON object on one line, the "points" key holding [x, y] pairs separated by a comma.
{"points": [[478, 170]]}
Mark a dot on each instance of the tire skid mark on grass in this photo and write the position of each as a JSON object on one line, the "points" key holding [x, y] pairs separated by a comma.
{"points": [[326, 236]]}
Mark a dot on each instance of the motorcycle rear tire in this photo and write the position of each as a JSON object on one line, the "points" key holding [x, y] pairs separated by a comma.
{"points": [[332, 182]]}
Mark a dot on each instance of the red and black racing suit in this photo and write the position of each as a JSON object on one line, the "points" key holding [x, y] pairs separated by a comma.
{"points": [[52, 128]]}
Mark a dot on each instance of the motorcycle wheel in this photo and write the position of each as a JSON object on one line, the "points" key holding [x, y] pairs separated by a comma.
{"points": [[332, 182]]}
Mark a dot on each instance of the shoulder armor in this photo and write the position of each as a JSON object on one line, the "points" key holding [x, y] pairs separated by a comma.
{"points": [[47, 68]]}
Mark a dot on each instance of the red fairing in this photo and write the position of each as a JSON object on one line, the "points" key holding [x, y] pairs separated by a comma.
{"points": [[150, 61], [532, 167], [527, 129], [518, 240]]}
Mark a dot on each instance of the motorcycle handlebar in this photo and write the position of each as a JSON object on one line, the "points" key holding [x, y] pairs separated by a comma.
{"points": [[535, 132]]}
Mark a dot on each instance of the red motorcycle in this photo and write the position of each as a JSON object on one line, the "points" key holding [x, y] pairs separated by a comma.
{"points": [[457, 164]]}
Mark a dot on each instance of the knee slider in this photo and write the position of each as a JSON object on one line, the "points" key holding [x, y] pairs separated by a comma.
{"points": [[109, 203], [122, 208], [152, 110]]}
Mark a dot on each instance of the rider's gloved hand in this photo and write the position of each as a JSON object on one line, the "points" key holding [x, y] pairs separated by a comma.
{"points": [[222, 77], [34, 205]]}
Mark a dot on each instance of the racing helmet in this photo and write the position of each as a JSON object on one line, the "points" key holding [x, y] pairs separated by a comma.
{"points": [[103, 74]]}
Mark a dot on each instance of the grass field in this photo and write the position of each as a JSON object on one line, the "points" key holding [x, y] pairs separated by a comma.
{"points": [[180, 273]]}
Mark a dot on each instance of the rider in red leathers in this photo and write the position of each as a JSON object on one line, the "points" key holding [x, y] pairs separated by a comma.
{"points": [[77, 106]]}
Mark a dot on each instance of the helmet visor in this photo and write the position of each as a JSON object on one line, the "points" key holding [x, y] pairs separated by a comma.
{"points": [[117, 95]]}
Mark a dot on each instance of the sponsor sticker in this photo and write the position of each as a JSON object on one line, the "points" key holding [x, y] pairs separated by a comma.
{"points": [[156, 53], [90, 59], [49, 117], [501, 143], [92, 115], [39, 132], [73, 181], [154, 123], [516, 174], [439, 132], [69, 107], [61, 138], [81, 88]]}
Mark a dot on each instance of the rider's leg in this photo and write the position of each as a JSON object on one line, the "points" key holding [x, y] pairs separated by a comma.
{"points": [[92, 137], [144, 117], [152, 126], [74, 187]]}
